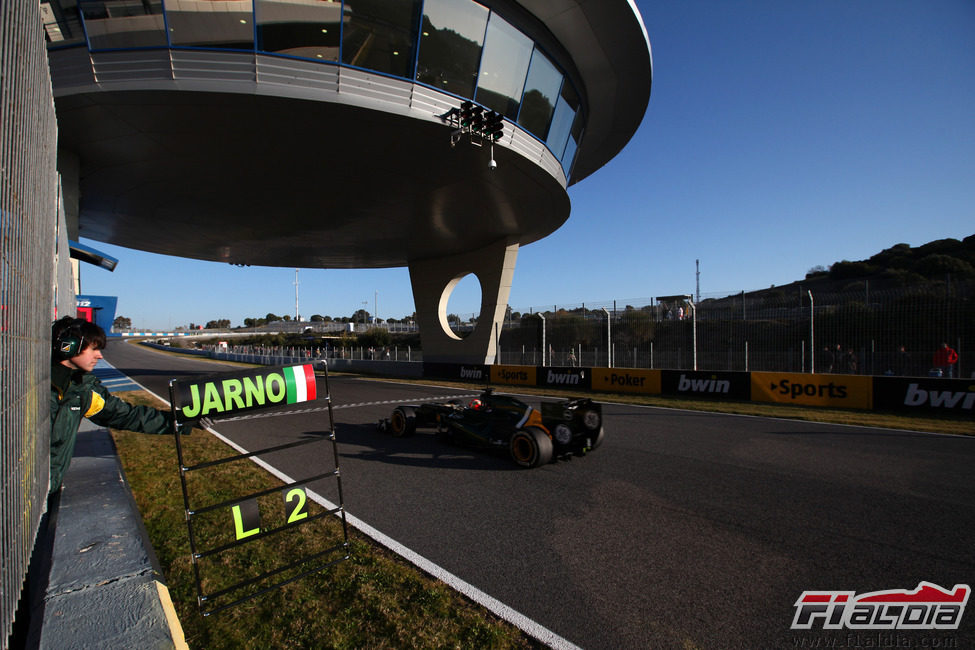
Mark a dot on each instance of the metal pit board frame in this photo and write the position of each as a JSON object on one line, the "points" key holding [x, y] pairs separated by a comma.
{"points": [[223, 396]]}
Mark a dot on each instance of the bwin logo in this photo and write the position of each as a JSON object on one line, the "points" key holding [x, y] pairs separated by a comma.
{"points": [[713, 385], [916, 396], [563, 378], [471, 373]]}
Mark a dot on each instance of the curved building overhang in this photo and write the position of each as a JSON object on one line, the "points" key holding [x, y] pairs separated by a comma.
{"points": [[254, 158], [288, 163]]}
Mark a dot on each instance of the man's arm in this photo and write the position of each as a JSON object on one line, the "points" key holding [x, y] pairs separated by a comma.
{"points": [[119, 414]]}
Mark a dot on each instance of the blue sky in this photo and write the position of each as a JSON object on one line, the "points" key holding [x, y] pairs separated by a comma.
{"points": [[780, 135]]}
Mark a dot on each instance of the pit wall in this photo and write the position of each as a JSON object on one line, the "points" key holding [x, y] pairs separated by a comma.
{"points": [[920, 395]]}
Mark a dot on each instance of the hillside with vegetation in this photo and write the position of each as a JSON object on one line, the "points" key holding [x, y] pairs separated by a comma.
{"points": [[899, 266]]}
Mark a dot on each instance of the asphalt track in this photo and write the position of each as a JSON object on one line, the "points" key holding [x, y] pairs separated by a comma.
{"points": [[685, 529]]}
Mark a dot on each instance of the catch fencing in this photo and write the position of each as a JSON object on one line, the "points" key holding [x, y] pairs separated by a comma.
{"points": [[28, 226], [855, 331]]}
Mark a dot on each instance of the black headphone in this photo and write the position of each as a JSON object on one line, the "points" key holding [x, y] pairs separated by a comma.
{"points": [[69, 343]]}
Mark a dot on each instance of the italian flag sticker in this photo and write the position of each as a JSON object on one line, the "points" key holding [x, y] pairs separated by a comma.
{"points": [[301, 383]]}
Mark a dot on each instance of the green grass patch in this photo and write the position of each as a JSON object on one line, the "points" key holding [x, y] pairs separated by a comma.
{"points": [[374, 599]]}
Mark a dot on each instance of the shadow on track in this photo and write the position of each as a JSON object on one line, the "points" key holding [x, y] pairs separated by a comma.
{"points": [[418, 450]]}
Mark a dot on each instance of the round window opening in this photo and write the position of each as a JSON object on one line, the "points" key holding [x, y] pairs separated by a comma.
{"points": [[460, 305]]}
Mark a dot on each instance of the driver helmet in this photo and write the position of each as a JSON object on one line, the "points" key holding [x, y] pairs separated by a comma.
{"points": [[476, 404]]}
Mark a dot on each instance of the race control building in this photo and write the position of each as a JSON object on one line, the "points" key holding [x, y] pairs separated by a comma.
{"points": [[339, 134]]}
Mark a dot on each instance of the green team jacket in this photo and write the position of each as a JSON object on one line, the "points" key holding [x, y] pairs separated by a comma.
{"points": [[76, 394]]}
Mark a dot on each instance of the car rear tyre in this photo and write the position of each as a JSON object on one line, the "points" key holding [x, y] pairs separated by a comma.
{"points": [[530, 447], [402, 422]]}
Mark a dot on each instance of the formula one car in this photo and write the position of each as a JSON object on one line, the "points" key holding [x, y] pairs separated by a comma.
{"points": [[501, 422]]}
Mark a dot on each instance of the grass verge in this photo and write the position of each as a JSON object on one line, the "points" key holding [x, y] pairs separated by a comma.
{"points": [[372, 600]]}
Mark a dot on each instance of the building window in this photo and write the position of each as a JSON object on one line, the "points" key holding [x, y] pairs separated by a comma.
{"points": [[62, 23], [451, 37], [565, 113], [379, 35], [575, 137], [211, 23], [112, 24], [541, 92], [298, 28], [507, 53], [456, 46]]}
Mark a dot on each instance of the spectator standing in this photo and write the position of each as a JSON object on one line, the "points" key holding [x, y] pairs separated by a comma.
{"points": [[902, 363], [945, 359]]}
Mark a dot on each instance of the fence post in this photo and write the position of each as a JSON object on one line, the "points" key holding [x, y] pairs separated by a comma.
{"points": [[542, 316], [812, 335], [497, 345]]}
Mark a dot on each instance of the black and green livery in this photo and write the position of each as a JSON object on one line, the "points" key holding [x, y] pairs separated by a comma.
{"points": [[531, 436]]}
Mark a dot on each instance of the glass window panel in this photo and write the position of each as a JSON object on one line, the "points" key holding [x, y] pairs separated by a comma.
{"points": [[211, 23], [62, 23], [565, 114], [541, 93], [575, 137], [124, 23], [451, 36], [507, 53], [305, 28], [379, 35]]}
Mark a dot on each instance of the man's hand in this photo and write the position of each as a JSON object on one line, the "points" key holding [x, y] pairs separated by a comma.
{"points": [[186, 428]]}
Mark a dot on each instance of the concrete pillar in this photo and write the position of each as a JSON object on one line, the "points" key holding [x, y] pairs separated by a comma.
{"points": [[433, 281], [69, 170]]}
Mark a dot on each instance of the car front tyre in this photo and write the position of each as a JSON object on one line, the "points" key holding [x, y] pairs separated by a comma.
{"points": [[402, 422]]}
